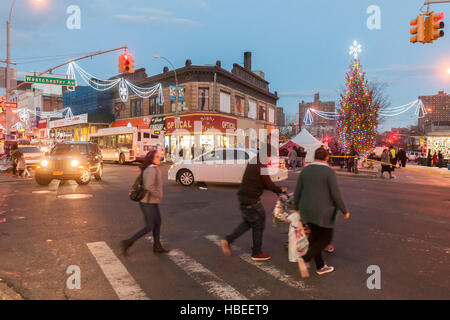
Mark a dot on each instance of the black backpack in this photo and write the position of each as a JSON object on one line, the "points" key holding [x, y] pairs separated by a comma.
{"points": [[137, 191]]}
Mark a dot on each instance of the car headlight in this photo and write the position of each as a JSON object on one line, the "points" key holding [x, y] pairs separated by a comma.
{"points": [[44, 163], [75, 163]]}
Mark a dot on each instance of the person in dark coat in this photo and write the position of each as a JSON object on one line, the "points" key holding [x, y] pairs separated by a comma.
{"points": [[429, 159], [440, 159], [254, 182], [318, 199], [401, 155]]}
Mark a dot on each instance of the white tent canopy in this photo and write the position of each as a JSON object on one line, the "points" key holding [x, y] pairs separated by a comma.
{"points": [[308, 142]]}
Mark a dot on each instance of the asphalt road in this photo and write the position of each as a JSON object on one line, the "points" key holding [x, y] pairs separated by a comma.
{"points": [[400, 225]]}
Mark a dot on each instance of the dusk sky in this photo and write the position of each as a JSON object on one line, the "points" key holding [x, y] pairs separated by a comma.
{"points": [[302, 46]]}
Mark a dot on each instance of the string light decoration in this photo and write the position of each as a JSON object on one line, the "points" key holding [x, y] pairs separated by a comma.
{"points": [[357, 117], [124, 85]]}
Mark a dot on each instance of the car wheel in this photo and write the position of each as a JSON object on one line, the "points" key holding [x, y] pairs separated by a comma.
{"points": [[122, 159], [186, 178], [98, 175], [42, 181], [85, 177]]}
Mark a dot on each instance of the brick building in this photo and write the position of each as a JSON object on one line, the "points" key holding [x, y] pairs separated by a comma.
{"points": [[220, 98], [437, 118], [320, 128], [281, 118]]}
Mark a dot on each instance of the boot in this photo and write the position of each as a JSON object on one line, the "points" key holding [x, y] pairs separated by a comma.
{"points": [[125, 245], [158, 248]]}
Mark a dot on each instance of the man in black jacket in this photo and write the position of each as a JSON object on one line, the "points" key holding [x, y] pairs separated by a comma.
{"points": [[254, 182]]}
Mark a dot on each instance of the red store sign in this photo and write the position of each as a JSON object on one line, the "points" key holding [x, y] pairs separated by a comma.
{"points": [[208, 121]]}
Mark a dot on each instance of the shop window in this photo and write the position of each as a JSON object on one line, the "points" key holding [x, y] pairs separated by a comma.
{"points": [[136, 108], [146, 135], [203, 98], [225, 102]]}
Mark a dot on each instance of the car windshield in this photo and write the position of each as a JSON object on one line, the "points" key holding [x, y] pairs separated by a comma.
{"points": [[62, 149], [29, 150]]}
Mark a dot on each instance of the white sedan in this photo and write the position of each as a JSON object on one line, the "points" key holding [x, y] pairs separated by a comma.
{"points": [[222, 166]]}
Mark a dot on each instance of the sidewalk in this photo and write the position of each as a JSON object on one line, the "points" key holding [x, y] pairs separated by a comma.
{"points": [[6, 177], [362, 173]]}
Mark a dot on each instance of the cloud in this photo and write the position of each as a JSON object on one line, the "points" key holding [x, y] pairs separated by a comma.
{"points": [[400, 69], [308, 94], [154, 16]]}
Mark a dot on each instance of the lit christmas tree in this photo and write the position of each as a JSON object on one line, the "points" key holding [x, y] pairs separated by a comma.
{"points": [[357, 117]]}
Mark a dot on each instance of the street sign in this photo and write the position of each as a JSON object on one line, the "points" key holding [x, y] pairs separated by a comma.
{"points": [[11, 105], [51, 81]]}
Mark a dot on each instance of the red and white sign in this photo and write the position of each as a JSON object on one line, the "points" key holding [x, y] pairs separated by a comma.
{"points": [[82, 118], [11, 105], [208, 121]]}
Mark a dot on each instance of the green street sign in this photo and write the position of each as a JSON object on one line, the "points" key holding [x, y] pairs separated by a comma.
{"points": [[51, 81]]}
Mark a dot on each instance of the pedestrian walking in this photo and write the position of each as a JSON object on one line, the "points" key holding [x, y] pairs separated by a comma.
{"points": [[393, 158], [440, 159], [254, 182], [353, 160], [318, 198], [401, 155], [292, 158], [153, 185], [385, 159], [15, 155], [435, 159], [21, 165], [429, 159]]}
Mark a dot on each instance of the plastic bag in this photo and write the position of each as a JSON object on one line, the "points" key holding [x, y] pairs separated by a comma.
{"points": [[283, 207]]}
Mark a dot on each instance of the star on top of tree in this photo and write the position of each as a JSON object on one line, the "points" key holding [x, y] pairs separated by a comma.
{"points": [[355, 49]]}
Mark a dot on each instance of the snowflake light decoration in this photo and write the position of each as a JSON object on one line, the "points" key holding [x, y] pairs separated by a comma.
{"points": [[355, 49], [123, 91]]}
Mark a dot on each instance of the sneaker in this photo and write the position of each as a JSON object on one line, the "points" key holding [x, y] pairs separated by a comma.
{"points": [[226, 248], [325, 269], [261, 257]]}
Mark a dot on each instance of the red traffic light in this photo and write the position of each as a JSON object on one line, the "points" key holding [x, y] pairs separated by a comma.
{"points": [[440, 17]]}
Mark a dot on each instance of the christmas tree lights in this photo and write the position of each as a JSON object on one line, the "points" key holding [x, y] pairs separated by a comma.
{"points": [[357, 117]]}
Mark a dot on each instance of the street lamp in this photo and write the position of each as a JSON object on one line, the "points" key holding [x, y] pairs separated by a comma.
{"points": [[176, 80], [8, 54]]}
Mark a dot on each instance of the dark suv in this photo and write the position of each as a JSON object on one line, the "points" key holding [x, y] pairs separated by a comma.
{"points": [[71, 161]]}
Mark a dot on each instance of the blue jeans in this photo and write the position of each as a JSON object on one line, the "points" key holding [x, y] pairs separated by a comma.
{"points": [[254, 218], [152, 218]]}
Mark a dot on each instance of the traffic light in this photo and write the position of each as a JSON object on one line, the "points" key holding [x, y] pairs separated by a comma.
{"points": [[418, 29], [126, 63], [433, 26]]}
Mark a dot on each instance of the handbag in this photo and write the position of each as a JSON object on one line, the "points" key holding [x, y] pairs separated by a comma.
{"points": [[137, 191]]}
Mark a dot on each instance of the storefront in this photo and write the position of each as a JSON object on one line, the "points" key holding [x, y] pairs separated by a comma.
{"points": [[79, 127], [201, 130], [439, 143], [42, 131], [140, 123]]}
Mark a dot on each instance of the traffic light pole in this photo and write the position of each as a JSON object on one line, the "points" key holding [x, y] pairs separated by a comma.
{"points": [[8, 90], [70, 61]]}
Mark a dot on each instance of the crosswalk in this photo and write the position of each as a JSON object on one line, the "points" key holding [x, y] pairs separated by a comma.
{"points": [[127, 288]]}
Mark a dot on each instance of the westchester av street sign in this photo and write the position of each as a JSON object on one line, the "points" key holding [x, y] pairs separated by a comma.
{"points": [[51, 81]]}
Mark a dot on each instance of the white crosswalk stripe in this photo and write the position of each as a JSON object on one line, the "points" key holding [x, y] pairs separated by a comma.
{"points": [[121, 281], [207, 279], [267, 268]]}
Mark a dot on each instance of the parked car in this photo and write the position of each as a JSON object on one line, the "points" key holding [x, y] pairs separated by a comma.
{"points": [[222, 166], [414, 155], [33, 155], [77, 161]]}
